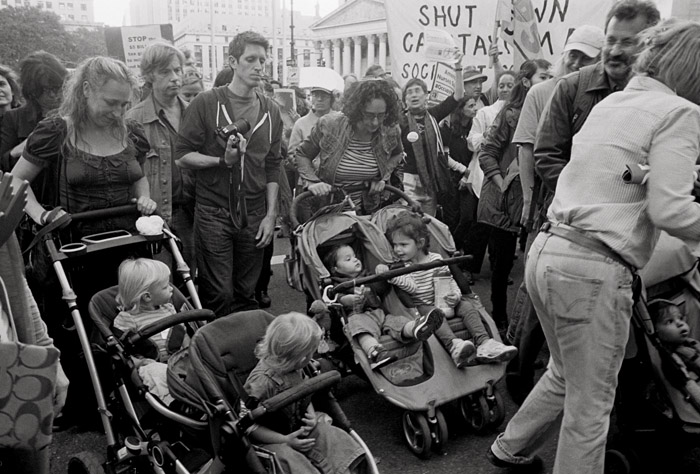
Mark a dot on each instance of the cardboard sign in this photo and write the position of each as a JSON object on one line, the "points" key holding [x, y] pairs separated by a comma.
{"points": [[443, 84], [128, 42]]}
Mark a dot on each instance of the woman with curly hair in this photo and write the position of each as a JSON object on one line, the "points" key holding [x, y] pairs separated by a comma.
{"points": [[360, 144]]}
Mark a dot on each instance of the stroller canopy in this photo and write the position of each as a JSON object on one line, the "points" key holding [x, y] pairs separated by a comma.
{"points": [[326, 227]]}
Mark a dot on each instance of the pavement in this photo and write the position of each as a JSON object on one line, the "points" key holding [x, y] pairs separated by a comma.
{"points": [[379, 422]]}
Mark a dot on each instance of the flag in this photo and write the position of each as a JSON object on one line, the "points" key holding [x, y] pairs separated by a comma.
{"points": [[519, 30]]}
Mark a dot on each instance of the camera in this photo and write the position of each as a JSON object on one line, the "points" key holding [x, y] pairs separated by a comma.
{"points": [[241, 126]]}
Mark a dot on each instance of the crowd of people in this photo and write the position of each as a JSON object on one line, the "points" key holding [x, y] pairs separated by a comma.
{"points": [[535, 158]]}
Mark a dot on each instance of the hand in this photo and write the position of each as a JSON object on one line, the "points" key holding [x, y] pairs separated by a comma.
{"points": [[59, 397], [293, 115], [494, 52], [525, 216], [452, 299], [233, 152], [320, 189], [463, 183], [297, 440], [457, 57], [310, 421], [350, 300], [377, 187], [45, 219], [381, 268], [17, 151], [266, 231], [145, 205]]}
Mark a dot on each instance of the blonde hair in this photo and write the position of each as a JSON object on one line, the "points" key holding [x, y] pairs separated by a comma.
{"points": [[672, 56], [96, 72], [136, 277], [288, 340]]}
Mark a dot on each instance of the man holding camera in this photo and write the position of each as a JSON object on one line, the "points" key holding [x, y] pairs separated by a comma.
{"points": [[231, 137]]}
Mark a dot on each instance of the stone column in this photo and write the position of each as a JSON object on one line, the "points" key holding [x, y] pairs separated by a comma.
{"points": [[346, 56], [382, 50], [357, 69], [336, 56], [326, 53], [370, 49]]}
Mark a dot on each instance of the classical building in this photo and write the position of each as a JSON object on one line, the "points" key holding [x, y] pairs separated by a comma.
{"points": [[353, 37], [153, 12], [74, 14], [686, 9]]}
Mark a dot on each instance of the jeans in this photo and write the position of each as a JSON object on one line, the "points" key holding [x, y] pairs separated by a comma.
{"points": [[182, 224], [468, 311], [228, 262], [584, 302]]}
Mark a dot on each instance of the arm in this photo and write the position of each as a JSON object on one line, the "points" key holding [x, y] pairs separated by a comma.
{"points": [[672, 156], [405, 282], [273, 160], [493, 147], [306, 152], [24, 170], [8, 140], [476, 133], [295, 140], [554, 134], [527, 179]]}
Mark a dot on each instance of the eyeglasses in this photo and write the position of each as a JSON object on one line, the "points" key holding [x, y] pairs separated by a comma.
{"points": [[370, 116]]}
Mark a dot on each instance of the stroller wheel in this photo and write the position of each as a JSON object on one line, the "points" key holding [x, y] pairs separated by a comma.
{"points": [[417, 433], [497, 409], [441, 433], [86, 462], [475, 411]]}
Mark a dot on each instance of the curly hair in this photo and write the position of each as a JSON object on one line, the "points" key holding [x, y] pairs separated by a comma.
{"points": [[13, 80], [366, 91], [412, 226]]}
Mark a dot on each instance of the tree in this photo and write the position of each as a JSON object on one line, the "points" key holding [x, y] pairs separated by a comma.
{"points": [[27, 29], [85, 43]]}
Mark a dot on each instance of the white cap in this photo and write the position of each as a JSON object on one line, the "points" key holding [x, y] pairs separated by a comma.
{"points": [[587, 39]]}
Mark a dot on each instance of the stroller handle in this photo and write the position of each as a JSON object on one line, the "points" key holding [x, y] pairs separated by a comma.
{"points": [[172, 321], [105, 213], [331, 291], [348, 189]]}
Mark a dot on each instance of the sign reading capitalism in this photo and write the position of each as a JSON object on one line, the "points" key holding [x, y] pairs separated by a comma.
{"points": [[471, 24]]}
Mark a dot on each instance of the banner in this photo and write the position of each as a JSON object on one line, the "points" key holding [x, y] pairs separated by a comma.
{"points": [[471, 25]]}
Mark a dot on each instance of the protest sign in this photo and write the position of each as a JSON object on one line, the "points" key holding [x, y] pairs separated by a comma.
{"points": [[471, 25], [128, 42], [443, 84]]}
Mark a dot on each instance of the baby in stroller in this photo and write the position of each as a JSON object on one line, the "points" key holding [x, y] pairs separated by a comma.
{"points": [[144, 298], [410, 239], [367, 320], [671, 325], [289, 343]]}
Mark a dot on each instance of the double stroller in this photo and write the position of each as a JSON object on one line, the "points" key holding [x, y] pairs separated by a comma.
{"points": [[655, 410], [202, 430], [423, 378]]}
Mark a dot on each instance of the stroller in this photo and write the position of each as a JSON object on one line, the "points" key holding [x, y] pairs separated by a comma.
{"points": [[211, 379], [124, 405], [653, 382], [423, 378]]}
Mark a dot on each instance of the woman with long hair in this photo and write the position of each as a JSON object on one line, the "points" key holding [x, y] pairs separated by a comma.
{"points": [[41, 77], [358, 145], [501, 201], [10, 95]]}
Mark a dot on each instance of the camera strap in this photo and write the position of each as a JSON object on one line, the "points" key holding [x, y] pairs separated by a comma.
{"points": [[236, 194]]}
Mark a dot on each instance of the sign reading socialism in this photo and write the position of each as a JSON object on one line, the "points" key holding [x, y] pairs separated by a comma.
{"points": [[471, 24]]}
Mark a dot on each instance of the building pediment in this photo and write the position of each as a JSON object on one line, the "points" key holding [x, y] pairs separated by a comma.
{"points": [[356, 11]]}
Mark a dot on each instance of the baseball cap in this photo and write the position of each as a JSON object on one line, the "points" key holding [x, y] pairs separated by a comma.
{"points": [[471, 73], [587, 39]]}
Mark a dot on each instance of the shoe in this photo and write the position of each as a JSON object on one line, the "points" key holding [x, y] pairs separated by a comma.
{"points": [[426, 325], [491, 351], [379, 357], [264, 300], [531, 468], [462, 352]]}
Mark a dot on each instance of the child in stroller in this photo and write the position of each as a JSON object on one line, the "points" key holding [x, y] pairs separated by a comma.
{"points": [[671, 325], [144, 298], [410, 239], [367, 320], [289, 343]]}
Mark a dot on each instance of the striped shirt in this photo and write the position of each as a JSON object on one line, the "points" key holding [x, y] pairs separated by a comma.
{"points": [[357, 166], [646, 124], [420, 284], [135, 322]]}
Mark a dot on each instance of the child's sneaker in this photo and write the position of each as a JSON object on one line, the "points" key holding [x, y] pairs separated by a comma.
{"points": [[491, 351], [378, 357], [426, 325], [462, 352]]}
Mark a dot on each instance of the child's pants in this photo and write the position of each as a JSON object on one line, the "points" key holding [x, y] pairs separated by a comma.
{"points": [[376, 323], [468, 312]]}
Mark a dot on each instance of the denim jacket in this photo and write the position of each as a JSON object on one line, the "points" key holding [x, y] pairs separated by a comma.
{"points": [[330, 138], [159, 159]]}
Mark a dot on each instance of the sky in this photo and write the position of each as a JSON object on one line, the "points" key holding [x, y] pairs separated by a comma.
{"points": [[111, 12]]}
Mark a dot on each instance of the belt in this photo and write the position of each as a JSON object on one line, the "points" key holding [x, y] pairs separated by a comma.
{"points": [[594, 245], [580, 238]]}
